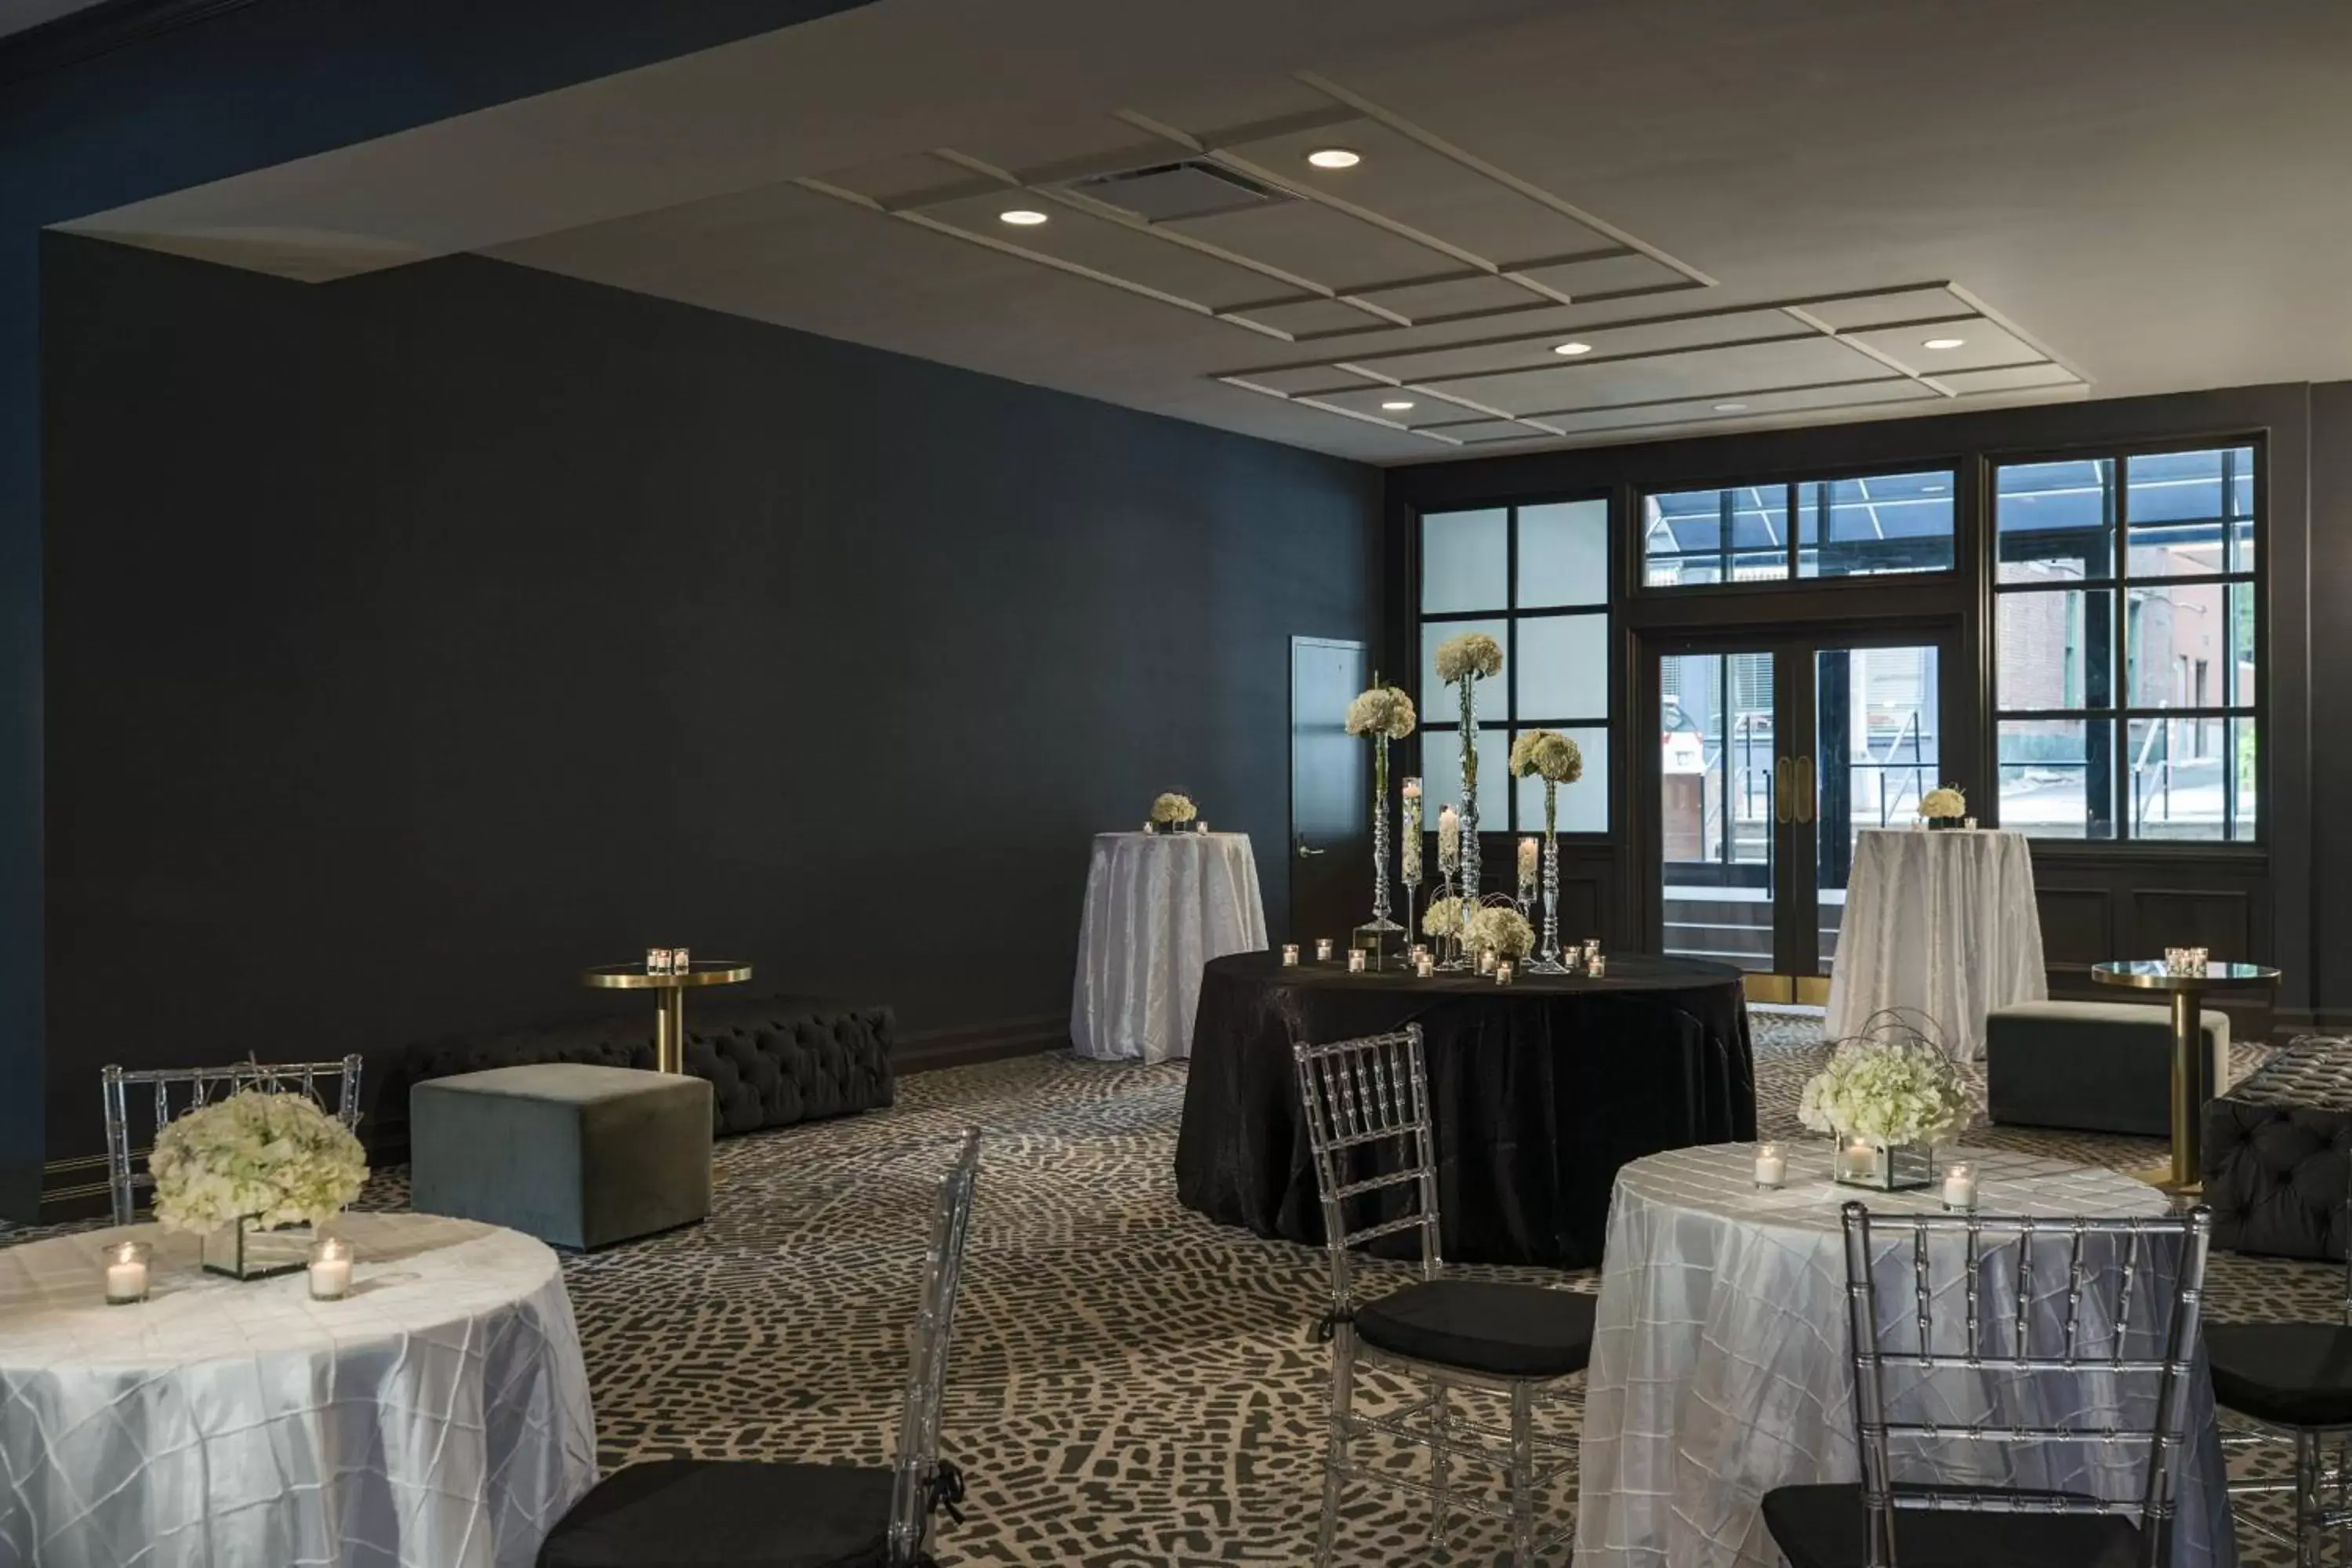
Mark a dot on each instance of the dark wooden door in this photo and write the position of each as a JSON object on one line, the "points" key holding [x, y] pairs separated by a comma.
{"points": [[1330, 848]]}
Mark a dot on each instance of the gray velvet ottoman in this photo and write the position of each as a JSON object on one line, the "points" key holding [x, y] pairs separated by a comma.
{"points": [[573, 1154], [2092, 1067]]}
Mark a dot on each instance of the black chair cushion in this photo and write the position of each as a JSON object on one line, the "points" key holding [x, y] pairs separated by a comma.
{"points": [[727, 1513], [2296, 1375], [1827, 1527], [1506, 1331]]}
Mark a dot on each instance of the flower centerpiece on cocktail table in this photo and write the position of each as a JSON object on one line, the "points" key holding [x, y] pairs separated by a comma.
{"points": [[1465, 661], [239, 1168], [1888, 1096], [1945, 807], [1556, 760], [1384, 713], [1171, 812]]}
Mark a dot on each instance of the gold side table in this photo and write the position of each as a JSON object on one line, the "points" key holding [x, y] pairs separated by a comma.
{"points": [[2191, 1068], [669, 999]]}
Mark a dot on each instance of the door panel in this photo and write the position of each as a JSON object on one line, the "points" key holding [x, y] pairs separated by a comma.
{"points": [[1716, 747], [1877, 745], [1330, 847]]}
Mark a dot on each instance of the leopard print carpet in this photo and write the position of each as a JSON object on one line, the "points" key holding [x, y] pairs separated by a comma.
{"points": [[1133, 1385]]}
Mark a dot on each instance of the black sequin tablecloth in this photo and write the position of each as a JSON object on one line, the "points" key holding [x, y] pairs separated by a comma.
{"points": [[1542, 1089]]}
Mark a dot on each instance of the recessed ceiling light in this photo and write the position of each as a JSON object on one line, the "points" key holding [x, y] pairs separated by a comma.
{"points": [[1335, 158], [1943, 343], [1025, 216], [1730, 407], [1572, 349], [1397, 407]]}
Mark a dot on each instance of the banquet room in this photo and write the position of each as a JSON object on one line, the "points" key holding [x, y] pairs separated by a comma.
{"points": [[1073, 785]]}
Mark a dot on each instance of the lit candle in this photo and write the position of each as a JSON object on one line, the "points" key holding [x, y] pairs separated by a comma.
{"points": [[1449, 839], [1355, 961], [679, 964], [1485, 961], [1592, 949], [126, 1273], [1290, 954], [1411, 845], [1526, 867], [1502, 972], [1201, 826], [1772, 1165], [1323, 950], [1596, 966], [1857, 1160], [1960, 1187], [331, 1269], [1425, 965], [1969, 823], [657, 961]]}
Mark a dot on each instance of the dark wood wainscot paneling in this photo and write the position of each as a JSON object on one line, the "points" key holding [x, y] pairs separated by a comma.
{"points": [[2098, 904]]}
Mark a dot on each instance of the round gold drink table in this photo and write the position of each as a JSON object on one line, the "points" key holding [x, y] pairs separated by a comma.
{"points": [[2192, 1070], [669, 999]]}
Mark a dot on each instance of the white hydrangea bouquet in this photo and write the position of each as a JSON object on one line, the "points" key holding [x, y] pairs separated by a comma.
{"points": [[1944, 804], [1171, 811], [1889, 1096], [254, 1161]]}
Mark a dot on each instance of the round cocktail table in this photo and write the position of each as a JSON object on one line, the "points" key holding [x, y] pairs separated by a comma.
{"points": [[669, 999], [2187, 989]]}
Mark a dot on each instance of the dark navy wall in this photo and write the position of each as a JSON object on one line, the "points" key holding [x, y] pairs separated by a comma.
{"points": [[117, 104], [418, 640]]}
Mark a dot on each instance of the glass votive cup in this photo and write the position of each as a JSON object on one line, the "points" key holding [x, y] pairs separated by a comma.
{"points": [[1323, 950], [1355, 961], [1486, 961], [331, 1269], [1969, 823], [1960, 1188], [1289, 955], [1771, 1166], [1502, 972], [657, 961], [680, 961], [1424, 964], [1201, 826], [1597, 967], [128, 1268]]}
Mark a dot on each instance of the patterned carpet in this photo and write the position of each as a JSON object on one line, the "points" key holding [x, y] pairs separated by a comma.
{"points": [[1131, 1385]]}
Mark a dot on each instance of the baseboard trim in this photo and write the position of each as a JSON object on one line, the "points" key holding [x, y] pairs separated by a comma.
{"points": [[931, 1049]]}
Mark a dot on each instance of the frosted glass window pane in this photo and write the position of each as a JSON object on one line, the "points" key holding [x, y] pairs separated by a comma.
{"points": [[1438, 703], [1441, 781], [1465, 561], [1583, 805], [1563, 666], [1564, 554]]}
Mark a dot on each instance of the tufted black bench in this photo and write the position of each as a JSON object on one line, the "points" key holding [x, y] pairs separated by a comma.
{"points": [[2278, 1147], [771, 1061]]}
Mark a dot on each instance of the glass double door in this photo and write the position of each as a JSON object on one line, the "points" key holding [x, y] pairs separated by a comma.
{"points": [[1773, 755]]}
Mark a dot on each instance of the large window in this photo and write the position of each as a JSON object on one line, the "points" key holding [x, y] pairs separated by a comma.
{"points": [[1809, 528], [2126, 631], [1535, 579]]}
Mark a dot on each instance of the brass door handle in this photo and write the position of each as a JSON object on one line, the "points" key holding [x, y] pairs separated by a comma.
{"points": [[1305, 852], [1781, 789], [1804, 789]]}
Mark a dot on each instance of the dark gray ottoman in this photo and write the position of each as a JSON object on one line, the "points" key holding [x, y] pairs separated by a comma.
{"points": [[2092, 1067], [2278, 1147], [573, 1154]]}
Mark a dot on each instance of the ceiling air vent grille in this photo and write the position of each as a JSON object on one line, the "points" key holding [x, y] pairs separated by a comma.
{"points": [[1192, 188]]}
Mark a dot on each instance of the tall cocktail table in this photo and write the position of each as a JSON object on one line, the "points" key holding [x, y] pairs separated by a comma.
{"points": [[669, 999], [2187, 987]]}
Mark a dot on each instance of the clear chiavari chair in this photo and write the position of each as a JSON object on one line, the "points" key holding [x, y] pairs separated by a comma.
{"points": [[2054, 1354], [750, 1513], [1369, 1126], [167, 1093], [2292, 1385]]}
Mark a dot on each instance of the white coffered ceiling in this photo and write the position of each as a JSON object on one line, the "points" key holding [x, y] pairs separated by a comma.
{"points": [[1747, 214]]}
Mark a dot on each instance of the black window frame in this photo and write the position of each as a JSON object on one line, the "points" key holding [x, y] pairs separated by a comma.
{"points": [[1792, 548], [2117, 714], [1511, 614]]}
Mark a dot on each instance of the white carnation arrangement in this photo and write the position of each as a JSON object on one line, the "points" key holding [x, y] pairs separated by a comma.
{"points": [[1472, 653], [1383, 712], [1548, 754], [1889, 1091], [1946, 802], [1502, 931], [268, 1159], [1171, 808]]}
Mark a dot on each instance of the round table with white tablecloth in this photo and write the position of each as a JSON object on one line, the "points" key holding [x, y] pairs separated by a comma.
{"points": [[1158, 907], [1722, 1368], [1941, 923], [436, 1417]]}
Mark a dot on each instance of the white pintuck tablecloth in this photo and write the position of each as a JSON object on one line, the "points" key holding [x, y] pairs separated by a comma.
{"points": [[1159, 906], [1721, 1366], [1944, 923], [437, 1417]]}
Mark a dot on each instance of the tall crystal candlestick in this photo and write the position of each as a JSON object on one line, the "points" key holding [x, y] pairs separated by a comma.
{"points": [[1412, 858], [1527, 872], [1382, 940], [1449, 842], [1468, 685], [1547, 952]]}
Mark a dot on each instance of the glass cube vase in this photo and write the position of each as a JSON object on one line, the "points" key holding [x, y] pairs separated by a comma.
{"points": [[244, 1251], [1883, 1167]]}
